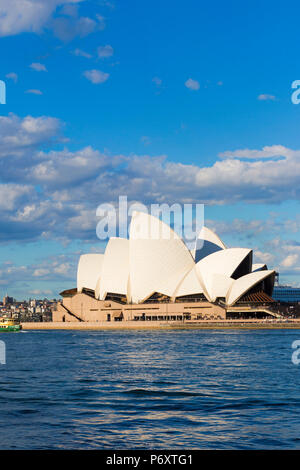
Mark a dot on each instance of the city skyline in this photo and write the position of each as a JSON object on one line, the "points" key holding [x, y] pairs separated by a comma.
{"points": [[159, 102]]}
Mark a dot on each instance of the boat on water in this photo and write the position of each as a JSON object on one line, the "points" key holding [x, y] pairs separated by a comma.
{"points": [[7, 324]]}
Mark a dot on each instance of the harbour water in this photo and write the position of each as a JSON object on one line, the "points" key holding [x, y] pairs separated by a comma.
{"points": [[199, 389]]}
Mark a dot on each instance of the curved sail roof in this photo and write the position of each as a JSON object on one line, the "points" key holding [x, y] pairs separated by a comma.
{"points": [[158, 258], [223, 262], [243, 284], [215, 270], [189, 285], [88, 271], [259, 267], [216, 285], [207, 243], [115, 268], [97, 288]]}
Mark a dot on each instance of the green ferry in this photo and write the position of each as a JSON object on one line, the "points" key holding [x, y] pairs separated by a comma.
{"points": [[7, 324]]}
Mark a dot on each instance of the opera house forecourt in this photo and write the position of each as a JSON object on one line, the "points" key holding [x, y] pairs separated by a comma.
{"points": [[154, 277]]}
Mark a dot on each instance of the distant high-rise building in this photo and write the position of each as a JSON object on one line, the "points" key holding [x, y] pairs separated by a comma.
{"points": [[7, 300]]}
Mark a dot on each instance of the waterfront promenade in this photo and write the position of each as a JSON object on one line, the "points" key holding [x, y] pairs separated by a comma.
{"points": [[133, 325]]}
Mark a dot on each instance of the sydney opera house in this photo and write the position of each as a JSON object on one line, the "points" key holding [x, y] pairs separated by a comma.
{"points": [[153, 276]]}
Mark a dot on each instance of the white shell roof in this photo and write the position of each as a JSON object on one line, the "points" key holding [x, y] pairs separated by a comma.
{"points": [[216, 285], [88, 271], [158, 257], [190, 285], [207, 243], [214, 270], [115, 268], [258, 267], [155, 259], [147, 227], [222, 262], [243, 284], [97, 288]]}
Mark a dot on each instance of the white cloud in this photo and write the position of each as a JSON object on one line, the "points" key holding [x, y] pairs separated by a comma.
{"points": [[12, 76], [63, 269], [266, 97], [54, 270], [18, 135], [252, 228], [145, 140], [17, 16], [12, 194], [63, 168], [38, 292], [80, 53], [39, 125], [232, 179], [285, 253], [101, 22], [157, 81], [264, 257], [34, 92], [105, 51], [96, 76], [271, 151], [40, 272], [69, 10], [237, 226], [192, 84], [38, 67], [10, 272], [290, 261], [71, 184], [67, 29], [107, 3]]}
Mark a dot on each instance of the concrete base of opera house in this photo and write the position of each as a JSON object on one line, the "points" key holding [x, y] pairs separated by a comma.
{"points": [[83, 308]]}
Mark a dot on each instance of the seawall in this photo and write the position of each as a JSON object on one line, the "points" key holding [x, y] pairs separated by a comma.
{"points": [[209, 324]]}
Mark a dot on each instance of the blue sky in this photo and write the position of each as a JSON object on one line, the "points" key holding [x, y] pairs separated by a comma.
{"points": [[161, 101]]}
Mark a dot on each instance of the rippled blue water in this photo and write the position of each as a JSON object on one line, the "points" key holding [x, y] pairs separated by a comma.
{"points": [[217, 389]]}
